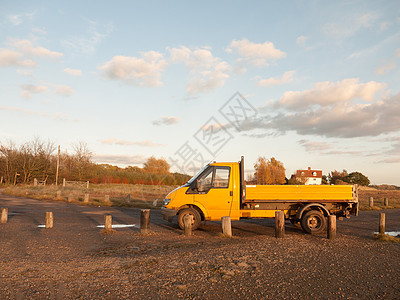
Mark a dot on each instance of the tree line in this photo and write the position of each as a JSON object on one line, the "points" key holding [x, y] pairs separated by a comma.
{"points": [[272, 171], [38, 159]]}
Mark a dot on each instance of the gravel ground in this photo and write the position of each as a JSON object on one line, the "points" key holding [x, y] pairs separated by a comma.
{"points": [[77, 260]]}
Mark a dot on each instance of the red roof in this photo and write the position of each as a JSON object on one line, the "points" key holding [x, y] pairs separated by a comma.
{"points": [[309, 173]]}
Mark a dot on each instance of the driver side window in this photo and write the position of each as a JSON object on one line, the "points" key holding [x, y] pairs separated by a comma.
{"points": [[205, 180]]}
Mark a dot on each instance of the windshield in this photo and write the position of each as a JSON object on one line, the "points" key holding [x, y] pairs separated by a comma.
{"points": [[197, 175]]}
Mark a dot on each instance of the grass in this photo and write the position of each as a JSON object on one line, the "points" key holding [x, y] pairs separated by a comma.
{"points": [[364, 193], [387, 238], [127, 195]]}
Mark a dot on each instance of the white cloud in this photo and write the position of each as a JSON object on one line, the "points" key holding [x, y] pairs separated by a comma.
{"points": [[39, 30], [29, 89], [27, 47], [25, 73], [120, 160], [89, 41], [286, 78], [350, 25], [207, 72], [145, 143], [74, 72], [55, 116], [257, 54], [168, 120], [144, 71], [315, 146], [18, 19], [301, 40], [389, 65], [340, 120], [64, 90], [10, 58], [385, 68], [327, 93]]}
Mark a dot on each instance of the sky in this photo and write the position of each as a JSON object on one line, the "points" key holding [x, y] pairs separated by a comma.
{"points": [[311, 83]]}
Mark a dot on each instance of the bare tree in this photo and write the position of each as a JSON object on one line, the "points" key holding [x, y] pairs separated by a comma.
{"points": [[82, 160]]}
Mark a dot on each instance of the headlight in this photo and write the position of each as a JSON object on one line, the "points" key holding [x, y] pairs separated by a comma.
{"points": [[166, 202]]}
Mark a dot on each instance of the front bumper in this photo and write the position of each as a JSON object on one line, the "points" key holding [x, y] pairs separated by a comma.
{"points": [[168, 214]]}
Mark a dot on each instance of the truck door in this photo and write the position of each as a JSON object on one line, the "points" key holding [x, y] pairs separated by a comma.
{"points": [[215, 191]]}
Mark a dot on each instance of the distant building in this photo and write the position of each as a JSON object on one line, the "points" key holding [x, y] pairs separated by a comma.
{"points": [[309, 177]]}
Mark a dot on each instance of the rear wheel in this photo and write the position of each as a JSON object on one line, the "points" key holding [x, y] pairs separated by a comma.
{"points": [[189, 211], [313, 221]]}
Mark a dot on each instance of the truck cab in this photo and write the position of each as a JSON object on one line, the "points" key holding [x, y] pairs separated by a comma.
{"points": [[210, 195]]}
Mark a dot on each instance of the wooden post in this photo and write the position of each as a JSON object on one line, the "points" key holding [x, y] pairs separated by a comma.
{"points": [[34, 182], [382, 220], [279, 224], [107, 198], [144, 221], [70, 198], [87, 184], [86, 200], [1, 180], [4, 215], [187, 221], [371, 201], [386, 201], [58, 194], [49, 219], [108, 222], [226, 226], [64, 182], [331, 227]]}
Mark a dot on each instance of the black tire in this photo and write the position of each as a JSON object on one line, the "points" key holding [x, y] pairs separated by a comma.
{"points": [[313, 221], [189, 211]]}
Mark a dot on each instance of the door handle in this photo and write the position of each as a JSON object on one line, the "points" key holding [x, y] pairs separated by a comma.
{"points": [[231, 193]]}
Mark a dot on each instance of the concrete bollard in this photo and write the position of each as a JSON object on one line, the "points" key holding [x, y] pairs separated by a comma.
{"points": [[4, 215], [279, 224], [382, 221], [331, 227], [371, 201], [226, 226], [144, 221], [187, 221], [49, 220], [385, 201], [86, 199], [108, 222]]}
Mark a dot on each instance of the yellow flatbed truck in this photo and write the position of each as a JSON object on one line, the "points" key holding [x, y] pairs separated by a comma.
{"points": [[219, 190]]}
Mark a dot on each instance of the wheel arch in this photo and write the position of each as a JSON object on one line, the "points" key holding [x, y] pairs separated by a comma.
{"points": [[196, 207], [312, 206]]}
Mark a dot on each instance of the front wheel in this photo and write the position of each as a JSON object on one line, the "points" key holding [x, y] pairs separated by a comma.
{"points": [[189, 211], [313, 222]]}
